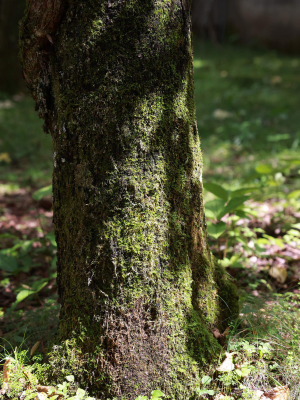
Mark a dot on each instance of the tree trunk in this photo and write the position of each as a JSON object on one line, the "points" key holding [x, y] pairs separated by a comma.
{"points": [[11, 11], [139, 290]]}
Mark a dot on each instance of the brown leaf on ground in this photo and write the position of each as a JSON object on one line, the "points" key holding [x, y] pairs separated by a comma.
{"points": [[6, 370], [277, 393], [219, 396], [50, 390], [221, 337], [34, 348], [227, 365], [279, 273]]}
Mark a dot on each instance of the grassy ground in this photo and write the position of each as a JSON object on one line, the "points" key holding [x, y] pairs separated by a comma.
{"points": [[247, 112]]}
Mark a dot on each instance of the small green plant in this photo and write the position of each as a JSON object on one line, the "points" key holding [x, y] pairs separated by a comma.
{"points": [[21, 376], [227, 202], [155, 395], [206, 380]]}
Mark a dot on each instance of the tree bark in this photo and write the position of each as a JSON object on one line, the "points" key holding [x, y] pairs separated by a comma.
{"points": [[11, 11], [139, 290]]}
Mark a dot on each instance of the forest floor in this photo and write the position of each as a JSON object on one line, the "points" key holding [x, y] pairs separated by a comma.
{"points": [[248, 119]]}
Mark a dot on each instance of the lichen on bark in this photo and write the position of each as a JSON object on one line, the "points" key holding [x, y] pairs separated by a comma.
{"points": [[138, 287]]}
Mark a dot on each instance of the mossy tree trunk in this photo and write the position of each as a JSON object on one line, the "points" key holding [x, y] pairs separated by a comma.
{"points": [[139, 290], [11, 11]]}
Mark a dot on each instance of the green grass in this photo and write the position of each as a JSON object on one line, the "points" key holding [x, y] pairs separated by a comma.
{"points": [[28, 147], [261, 92]]}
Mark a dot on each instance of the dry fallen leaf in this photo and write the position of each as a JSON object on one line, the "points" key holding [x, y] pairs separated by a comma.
{"points": [[221, 337], [50, 390], [227, 365], [257, 394], [42, 396], [6, 373], [277, 393], [279, 273], [33, 349], [221, 114], [219, 396], [5, 157], [6, 104], [276, 79]]}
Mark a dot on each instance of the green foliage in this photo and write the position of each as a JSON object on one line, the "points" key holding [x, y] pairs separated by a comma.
{"points": [[28, 148], [155, 395], [227, 203], [41, 193]]}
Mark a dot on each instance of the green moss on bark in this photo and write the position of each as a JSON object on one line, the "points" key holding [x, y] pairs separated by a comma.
{"points": [[139, 290]]}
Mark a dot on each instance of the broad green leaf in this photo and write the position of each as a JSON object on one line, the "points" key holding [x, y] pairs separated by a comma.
{"points": [[264, 169], [245, 371], [240, 192], [232, 205], [209, 214], [224, 263], [215, 206], [51, 237], [263, 241], [216, 230], [8, 264], [23, 294], [278, 137], [217, 190], [200, 392], [279, 242], [235, 257], [157, 394], [45, 191], [80, 393], [297, 226], [242, 214], [294, 195], [53, 263], [206, 380], [70, 378], [293, 232], [38, 285]]}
